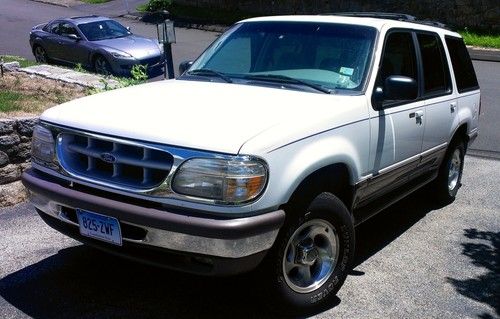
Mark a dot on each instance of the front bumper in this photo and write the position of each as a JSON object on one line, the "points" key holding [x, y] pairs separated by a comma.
{"points": [[212, 241], [123, 67]]}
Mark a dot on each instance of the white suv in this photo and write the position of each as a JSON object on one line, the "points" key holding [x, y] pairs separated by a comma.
{"points": [[270, 148]]}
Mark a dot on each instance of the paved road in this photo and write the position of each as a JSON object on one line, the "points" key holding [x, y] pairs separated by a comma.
{"points": [[414, 260]]}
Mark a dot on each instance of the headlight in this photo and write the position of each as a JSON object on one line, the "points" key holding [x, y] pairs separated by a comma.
{"points": [[42, 144], [121, 55], [234, 180]]}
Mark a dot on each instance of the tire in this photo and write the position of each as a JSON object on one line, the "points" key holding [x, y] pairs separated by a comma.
{"points": [[449, 178], [102, 66], [40, 54], [320, 237]]}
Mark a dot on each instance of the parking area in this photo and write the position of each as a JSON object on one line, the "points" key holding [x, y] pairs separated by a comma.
{"points": [[414, 260]]}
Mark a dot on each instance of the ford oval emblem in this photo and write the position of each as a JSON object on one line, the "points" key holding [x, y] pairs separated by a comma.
{"points": [[108, 158]]}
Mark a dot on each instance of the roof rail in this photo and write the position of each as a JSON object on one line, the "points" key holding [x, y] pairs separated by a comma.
{"points": [[84, 17], [391, 16], [379, 15]]}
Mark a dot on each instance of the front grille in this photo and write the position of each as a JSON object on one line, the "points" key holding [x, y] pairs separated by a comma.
{"points": [[125, 165], [151, 61]]}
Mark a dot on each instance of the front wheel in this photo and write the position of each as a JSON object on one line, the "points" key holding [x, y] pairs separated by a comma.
{"points": [[102, 66], [311, 257], [40, 54]]}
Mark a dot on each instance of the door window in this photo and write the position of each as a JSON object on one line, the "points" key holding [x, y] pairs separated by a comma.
{"points": [[435, 66], [67, 28], [399, 59]]}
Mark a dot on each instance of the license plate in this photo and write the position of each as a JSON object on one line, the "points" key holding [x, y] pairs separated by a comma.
{"points": [[100, 227]]}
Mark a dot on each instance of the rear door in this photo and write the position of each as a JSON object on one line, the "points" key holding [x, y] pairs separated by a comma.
{"points": [[441, 109]]}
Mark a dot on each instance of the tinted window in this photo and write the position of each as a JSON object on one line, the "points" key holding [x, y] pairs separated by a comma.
{"points": [[399, 58], [67, 28], [462, 65], [53, 28], [436, 73]]}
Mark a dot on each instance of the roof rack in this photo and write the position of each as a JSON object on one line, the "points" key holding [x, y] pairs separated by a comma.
{"points": [[378, 15], [390, 16], [85, 17]]}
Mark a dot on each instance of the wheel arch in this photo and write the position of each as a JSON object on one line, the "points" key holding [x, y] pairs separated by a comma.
{"points": [[333, 178], [461, 133]]}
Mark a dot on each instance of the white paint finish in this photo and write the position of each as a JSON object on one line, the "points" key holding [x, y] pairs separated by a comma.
{"points": [[210, 116]]}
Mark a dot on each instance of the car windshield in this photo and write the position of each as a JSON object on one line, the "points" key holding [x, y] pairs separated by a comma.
{"points": [[333, 56], [102, 30]]}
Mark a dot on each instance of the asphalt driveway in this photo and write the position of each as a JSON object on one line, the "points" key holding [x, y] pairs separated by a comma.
{"points": [[415, 260]]}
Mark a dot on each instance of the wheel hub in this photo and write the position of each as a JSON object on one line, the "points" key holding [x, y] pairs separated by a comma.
{"points": [[307, 253], [310, 256]]}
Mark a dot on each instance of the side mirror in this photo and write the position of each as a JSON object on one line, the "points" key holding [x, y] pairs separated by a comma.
{"points": [[128, 29], [396, 88], [73, 37], [184, 66]]}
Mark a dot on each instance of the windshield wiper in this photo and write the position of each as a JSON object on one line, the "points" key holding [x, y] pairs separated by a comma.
{"points": [[209, 72], [287, 79]]}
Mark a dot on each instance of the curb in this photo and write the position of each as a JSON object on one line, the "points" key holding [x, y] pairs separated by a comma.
{"points": [[52, 3], [483, 54]]}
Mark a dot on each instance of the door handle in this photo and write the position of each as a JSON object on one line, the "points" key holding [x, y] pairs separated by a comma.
{"points": [[417, 114], [453, 107]]}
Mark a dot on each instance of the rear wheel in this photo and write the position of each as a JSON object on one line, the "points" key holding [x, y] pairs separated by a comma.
{"points": [[40, 54], [311, 257], [449, 178], [102, 66]]}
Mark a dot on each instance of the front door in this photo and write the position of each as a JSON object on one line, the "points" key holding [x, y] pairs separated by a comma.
{"points": [[397, 130]]}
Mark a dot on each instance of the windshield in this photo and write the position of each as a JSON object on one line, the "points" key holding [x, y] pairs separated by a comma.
{"points": [[102, 30], [334, 56]]}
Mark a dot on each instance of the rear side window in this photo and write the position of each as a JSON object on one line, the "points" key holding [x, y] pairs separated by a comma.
{"points": [[435, 66], [462, 65]]}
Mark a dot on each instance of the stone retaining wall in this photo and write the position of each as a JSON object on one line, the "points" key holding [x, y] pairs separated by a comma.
{"points": [[15, 145], [482, 14]]}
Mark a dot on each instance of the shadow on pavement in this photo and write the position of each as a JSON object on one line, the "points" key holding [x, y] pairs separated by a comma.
{"points": [[484, 251], [81, 282], [379, 231]]}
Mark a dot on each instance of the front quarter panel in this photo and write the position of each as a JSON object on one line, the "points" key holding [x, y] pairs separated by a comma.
{"points": [[291, 164]]}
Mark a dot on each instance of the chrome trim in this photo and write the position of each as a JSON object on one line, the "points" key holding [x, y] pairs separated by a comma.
{"points": [[163, 191], [226, 248], [401, 163], [434, 149]]}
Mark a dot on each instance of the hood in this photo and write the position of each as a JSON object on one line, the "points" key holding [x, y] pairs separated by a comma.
{"points": [[138, 47], [219, 117]]}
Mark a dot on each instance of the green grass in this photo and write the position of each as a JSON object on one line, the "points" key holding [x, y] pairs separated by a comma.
{"points": [[8, 101], [478, 39], [95, 1], [22, 61], [142, 7]]}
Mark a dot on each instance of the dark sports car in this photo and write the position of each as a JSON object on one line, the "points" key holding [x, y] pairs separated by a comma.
{"points": [[95, 42]]}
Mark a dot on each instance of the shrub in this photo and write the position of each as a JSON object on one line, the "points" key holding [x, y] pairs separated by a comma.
{"points": [[158, 5]]}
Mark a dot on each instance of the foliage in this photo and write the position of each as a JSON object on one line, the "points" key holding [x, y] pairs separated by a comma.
{"points": [[138, 76], [79, 68], [22, 61], [139, 73], [481, 39], [158, 5], [9, 100]]}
